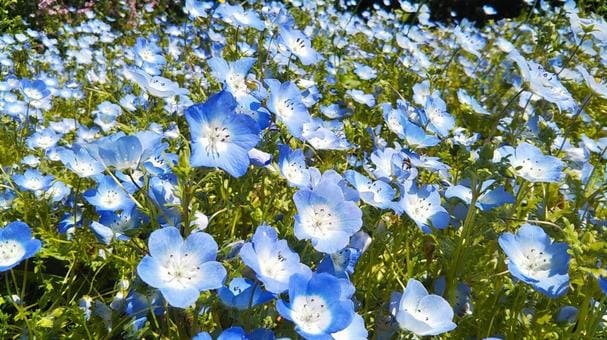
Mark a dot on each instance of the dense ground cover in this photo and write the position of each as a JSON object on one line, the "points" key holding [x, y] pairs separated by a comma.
{"points": [[267, 170]]}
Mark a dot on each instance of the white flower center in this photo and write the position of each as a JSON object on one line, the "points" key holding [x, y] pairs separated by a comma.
{"points": [[237, 84], [111, 198], [294, 172], [420, 208], [319, 219], [285, 108], [529, 168], [215, 139], [311, 314], [45, 141], [275, 267], [32, 93], [180, 270], [11, 251], [33, 183], [536, 263], [298, 46], [83, 169]]}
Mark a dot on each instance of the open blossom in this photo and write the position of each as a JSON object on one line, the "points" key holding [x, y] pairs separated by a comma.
{"points": [[298, 44], [534, 259], [220, 137], [544, 83], [422, 313], [180, 268], [531, 164], [325, 217], [16, 244], [423, 206], [316, 305], [271, 259]]}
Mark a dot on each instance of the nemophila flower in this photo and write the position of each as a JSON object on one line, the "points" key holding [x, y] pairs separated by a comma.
{"points": [[139, 304], [331, 178], [423, 206], [6, 199], [365, 72], [123, 152], [334, 111], [603, 284], [243, 294], [232, 74], [534, 259], [162, 190], [116, 225], [237, 16], [316, 305], [220, 137], [436, 117], [341, 263], [79, 161], [486, 200], [361, 97], [325, 217], [297, 43], [356, 330], [421, 92], [106, 114], [567, 314], [386, 164], [34, 89], [489, 10], [531, 164], [398, 121], [292, 165], [196, 9], [544, 83], [16, 245], [325, 135], [238, 333], [286, 103], [596, 87], [148, 52], [462, 303], [465, 99], [157, 86], [57, 192], [422, 313], [471, 42], [43, 139], [376, 193], [109, 196], [271, 259], [33, 180], [180, 268]]}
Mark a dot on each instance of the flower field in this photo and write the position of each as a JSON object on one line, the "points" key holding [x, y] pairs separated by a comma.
{"points": [[272, 170]]}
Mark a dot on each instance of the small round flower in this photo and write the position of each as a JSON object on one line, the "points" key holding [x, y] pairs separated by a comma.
{"points": [[180, 268], [16, 245], [534, 259], [423, 313], [316, 305]]}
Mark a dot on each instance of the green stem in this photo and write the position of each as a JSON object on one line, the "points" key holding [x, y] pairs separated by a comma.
{"points": [[583, 316], [465, 235]]}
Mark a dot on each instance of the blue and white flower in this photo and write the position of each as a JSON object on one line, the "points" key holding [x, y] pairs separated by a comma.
{"points": [[16, 245], [534, 259], [316, 305], [220, 137], [180, 268]]}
